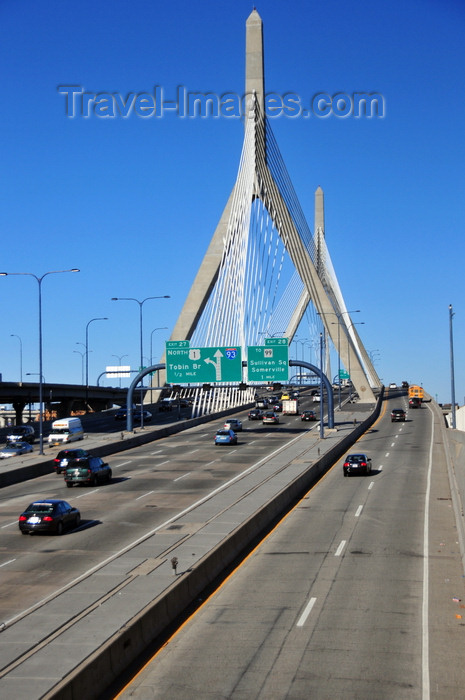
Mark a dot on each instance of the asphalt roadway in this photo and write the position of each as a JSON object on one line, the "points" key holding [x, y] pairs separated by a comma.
{"points": [[98, 622], [357, 594]]}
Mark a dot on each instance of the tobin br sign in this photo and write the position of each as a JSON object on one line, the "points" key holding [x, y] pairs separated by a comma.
{"points": [[185, 365]]}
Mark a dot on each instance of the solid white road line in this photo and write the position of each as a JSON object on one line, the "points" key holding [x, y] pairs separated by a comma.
{"points": [[144, 495], [10, 561], [306, 612]]}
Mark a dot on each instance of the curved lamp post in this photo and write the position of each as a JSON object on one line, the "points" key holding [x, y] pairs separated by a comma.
{"points": [[39, 282]]}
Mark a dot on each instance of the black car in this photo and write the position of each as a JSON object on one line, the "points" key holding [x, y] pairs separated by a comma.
{"points": [[357, 464], [90, 471], [308, 415], [50, 515], [67, 458], [255, 414], [397, 414], [21, 433]]}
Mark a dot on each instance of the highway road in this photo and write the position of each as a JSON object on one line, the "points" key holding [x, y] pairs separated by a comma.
{"points": [[357, 594], [151, 485]]}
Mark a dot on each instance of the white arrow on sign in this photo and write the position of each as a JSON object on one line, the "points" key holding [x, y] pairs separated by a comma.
{"points": [[217, 364]]}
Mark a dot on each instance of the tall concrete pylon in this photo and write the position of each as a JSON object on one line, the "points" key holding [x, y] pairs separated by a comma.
{"points": [[267, 189]]}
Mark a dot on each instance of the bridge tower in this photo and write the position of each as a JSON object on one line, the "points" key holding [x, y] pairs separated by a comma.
{"points": [[221, 298]]}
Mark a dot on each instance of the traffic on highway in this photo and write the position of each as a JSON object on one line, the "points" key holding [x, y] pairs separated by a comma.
{"points": [[342, 574]]}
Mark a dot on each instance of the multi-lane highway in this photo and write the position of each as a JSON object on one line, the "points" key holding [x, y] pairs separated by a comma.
{"points": [[151, 484], [356, 594]]}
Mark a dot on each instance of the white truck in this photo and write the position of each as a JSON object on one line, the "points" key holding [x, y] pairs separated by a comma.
{"points": [[65, 430], [290, 407]]}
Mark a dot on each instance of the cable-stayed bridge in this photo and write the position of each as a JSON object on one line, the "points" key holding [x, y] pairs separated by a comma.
{"points": [[264, 273]]}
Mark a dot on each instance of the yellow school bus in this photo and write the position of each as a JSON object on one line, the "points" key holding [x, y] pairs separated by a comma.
{"points": [[415, 391]]}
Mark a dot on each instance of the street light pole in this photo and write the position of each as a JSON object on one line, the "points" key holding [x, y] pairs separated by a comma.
{"points": [[161, 328], [141, 303], [87, 357], [82, 354], [452, 378], [120, 359], [339, 317], [360, 323], [39, 282], [13, 335]]}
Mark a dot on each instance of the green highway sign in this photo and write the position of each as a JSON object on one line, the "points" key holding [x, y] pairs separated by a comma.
{"points": [[269, 362], [185, 365], [276, 341], [177, 343], [343, 374]]}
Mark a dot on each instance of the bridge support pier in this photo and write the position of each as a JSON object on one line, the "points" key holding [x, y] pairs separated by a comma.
{"points": [[18, 409]]}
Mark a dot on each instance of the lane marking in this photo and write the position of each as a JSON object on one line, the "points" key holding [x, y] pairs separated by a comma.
{"points": [[358, 511], [7, 562], [8, 525], [144, 495], [306, 612], [340, 548], [123, 464], [392, 444], [182, 477], [156, 452], [88, 493], [192, 451], [147, 535], [165, 462], [372, 483], [387, 454], [425, 603]]}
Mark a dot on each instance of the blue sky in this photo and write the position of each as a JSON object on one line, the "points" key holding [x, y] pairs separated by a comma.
{"points": [[134, 202]]}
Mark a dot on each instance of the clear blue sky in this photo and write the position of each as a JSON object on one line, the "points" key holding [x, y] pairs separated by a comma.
{"points": [[134, 202]]}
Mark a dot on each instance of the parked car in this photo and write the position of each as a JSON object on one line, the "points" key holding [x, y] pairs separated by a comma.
{"points": [[397, 414], [308, 415], [14, 449], [233, 424], [225, 436], [50, 515], [270, 417], [67, 458], [21, 433], [91, 471], [255, 414], [357, 464]]}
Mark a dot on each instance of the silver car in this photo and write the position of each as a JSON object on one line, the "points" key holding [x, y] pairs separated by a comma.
{"points": [[19, 448]]}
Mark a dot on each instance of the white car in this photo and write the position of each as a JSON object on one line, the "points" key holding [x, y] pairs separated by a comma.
{"points": [[316, 397], [19, 448], [233, 424], [393, 385]]}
